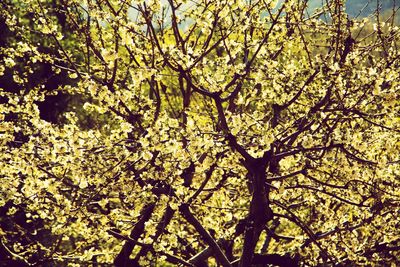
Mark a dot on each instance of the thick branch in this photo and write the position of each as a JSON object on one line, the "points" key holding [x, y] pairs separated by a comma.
{"points": [[123, 257], [231, 138], [203, 255], [292, 217], [168, 214], [219, 255], [203, 184], [275, 260]]}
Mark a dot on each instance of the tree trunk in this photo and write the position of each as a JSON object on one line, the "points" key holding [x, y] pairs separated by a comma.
{"points": [[260, 212]]}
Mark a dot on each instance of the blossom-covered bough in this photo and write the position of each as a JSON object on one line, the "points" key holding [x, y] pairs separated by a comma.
{"points": [[229, 133]]}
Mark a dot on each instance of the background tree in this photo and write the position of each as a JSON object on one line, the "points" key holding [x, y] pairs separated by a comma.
{"points": [[235, 133]]}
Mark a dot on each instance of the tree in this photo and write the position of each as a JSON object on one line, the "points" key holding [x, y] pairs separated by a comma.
{"points": [[235, 133], [35, 73]]}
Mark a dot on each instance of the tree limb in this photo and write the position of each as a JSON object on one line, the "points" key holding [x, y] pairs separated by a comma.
{"points": [[219, 255]]}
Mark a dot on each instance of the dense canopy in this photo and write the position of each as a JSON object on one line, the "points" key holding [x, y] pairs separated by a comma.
{"points": [[197, 133]]}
